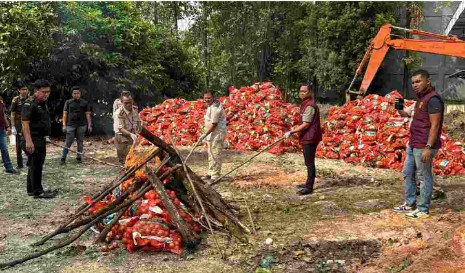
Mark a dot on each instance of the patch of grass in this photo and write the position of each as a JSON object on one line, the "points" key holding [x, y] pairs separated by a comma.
{"points": [[396, 269]]}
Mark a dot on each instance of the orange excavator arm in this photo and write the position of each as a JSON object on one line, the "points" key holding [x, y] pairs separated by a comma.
{"points": [[448, 45]]}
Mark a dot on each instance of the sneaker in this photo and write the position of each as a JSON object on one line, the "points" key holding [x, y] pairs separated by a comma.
{"points": [[79, 160], [404, 208], [12, 171], [417, 214], [62, 161], [20, 167]]}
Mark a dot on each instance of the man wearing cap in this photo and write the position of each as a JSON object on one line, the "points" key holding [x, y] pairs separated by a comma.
{"points": [[76, 121]]}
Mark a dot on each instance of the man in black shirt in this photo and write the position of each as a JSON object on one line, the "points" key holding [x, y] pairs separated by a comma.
{"points": [[15, 109], [35, 119], [76, 120]]}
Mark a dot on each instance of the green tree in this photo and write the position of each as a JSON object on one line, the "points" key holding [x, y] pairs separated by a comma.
{"points": [[26, 36]]}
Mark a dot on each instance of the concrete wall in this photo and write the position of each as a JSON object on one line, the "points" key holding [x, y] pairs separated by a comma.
{"points": [[391, 76]]}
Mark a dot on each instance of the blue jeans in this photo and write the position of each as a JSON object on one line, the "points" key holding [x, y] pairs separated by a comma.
{"points": [[4, 150], [424, 173], [72, 132]]}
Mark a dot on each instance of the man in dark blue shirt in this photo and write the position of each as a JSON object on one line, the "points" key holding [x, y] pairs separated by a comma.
{"points": [[76, 120]]}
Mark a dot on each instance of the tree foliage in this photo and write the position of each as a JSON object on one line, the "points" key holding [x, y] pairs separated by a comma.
{"points": [[108, 46], [286, 42]]}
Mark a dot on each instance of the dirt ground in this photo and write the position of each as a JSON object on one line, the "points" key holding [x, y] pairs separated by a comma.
{"points": [[346, 226]]}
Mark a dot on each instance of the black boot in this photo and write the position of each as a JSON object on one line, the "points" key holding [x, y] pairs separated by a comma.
{"points": [[307, 188]]}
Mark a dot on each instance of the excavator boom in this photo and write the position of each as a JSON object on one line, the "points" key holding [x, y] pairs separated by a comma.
{"points": [[448, 45]]}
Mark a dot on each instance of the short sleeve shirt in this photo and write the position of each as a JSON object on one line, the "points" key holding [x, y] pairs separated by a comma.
{"points": [[16, 107], [435, 105], [308, 114], [77, 110], [38, 116], [216, 114]]}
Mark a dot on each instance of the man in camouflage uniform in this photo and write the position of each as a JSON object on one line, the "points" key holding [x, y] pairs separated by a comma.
{"points": [[126, 125], [215, 135], [16, 128]]}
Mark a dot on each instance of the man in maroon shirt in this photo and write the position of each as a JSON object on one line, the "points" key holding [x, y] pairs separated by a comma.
{"points": [[424, 143], [309, 134]]}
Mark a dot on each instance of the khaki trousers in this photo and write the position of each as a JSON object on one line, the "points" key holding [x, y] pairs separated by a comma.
{"points": [[215, 149], [123, 144]]}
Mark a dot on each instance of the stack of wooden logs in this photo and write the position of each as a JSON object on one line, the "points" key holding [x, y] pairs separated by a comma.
{"points": [[202, 199]]}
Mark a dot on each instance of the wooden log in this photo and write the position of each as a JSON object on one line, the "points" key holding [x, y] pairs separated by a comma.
{"points": [[73, 224], [213, 200], [82, 209], [190, 238]]}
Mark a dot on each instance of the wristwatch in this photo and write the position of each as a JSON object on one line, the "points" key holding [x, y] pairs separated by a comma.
{"points": [[428, 146]]}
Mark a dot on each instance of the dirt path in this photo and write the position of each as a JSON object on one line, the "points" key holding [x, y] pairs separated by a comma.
{"points": [[346, 226]]}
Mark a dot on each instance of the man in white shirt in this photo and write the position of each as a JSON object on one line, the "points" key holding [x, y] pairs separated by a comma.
{"points": [[215, 134]]}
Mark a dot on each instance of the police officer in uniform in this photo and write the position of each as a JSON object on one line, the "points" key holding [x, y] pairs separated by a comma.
{"points": [[16, 128], [126, 125], [36, 127]]}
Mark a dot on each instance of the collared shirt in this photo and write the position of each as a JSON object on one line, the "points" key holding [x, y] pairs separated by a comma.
{"points": [[16, 107], [216, 114], [124, 119], [38, 116], [77, 110]]}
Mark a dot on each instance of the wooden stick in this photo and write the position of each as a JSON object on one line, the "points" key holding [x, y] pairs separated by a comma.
{"points": [[250, 217], [190, 237], [199, 200], [105, 210], [86, 156], [112, 186], [103, 234], [192, 150], [248, 160], [219, 208], [50, 249], [146, 187], [64, 227]]}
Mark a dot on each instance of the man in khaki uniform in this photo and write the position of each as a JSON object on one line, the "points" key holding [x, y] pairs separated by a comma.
{"points": [[215, 135], [126, 125]]}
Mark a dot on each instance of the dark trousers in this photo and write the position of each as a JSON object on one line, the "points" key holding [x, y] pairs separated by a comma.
{"points": [[19, 151], [35, 163], [309, 156]]}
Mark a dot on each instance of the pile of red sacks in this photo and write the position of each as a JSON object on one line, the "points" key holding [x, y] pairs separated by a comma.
{"points": [[367, 131], [256, 117], [372, 133], [146, 225]]}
